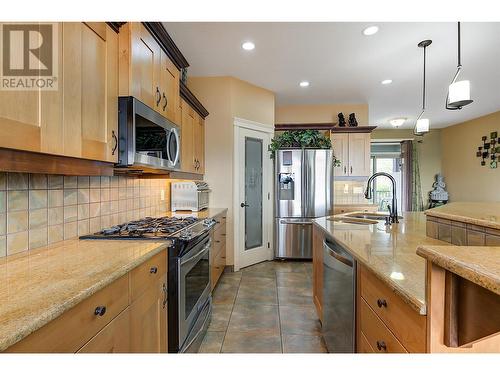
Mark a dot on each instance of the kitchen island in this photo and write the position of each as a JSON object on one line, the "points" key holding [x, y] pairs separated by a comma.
{"points": [[393, 301]]}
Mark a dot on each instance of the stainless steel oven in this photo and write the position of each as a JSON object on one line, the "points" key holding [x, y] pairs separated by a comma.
{"points": [[147, 140], [194, 286]]}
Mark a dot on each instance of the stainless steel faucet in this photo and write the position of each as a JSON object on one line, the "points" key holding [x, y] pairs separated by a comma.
{"points": [[393, 216]]}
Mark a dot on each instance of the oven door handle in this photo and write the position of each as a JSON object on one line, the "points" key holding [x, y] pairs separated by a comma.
{"points": [[199, 253]]}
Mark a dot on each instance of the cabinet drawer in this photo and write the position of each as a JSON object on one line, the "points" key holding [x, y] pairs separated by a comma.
{"points": [[147, 275], [70, 331], [378, 336], [404, 322], [219, 240], [217, 267], [220, 222], [114, 338]]}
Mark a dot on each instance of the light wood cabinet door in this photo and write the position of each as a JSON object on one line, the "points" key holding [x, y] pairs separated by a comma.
{"points": [[99, 92], [359, 154], [318, 239], [199, 144], [114, 338], [187, 138], [340, 145], [169, 83], [147, 318], [145, 63]]}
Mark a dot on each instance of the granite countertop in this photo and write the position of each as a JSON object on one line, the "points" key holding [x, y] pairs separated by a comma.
{"points": [[389, 252], [39, 285], [485, 214], [478, 264]]}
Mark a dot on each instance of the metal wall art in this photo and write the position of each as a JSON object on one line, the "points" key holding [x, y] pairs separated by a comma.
{"points": [[489, 152]]}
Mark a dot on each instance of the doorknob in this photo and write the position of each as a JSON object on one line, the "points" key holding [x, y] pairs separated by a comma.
{"points": [[243, 205]]}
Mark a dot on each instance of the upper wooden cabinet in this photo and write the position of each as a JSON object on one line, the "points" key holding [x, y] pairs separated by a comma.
{"points": [[192, 140], [80, 119], [146, 72], [353, 151]]}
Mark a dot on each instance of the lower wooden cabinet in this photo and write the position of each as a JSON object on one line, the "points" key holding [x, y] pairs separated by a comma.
{"points": [[218, 250], [318, 239], [111, 321], [114, 338]]}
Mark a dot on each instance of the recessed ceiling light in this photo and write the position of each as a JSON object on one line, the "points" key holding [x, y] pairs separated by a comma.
{"points": [[370, 30], [248, 46], [304, 84], [386, 81], [397, 122]]}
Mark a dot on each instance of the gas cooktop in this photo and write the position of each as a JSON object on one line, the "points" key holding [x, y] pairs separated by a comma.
{"points": [[150, 228]]}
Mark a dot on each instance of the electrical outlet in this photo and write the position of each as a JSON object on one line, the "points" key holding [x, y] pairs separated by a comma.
{"points": [[162, 194]]}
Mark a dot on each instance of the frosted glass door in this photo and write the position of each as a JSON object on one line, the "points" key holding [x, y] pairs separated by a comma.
{"points": [[253, 193]]}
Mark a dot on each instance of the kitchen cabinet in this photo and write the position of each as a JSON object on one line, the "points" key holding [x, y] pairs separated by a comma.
{"points": [[353, 151], [80, 118], [146, 71], [218, 250], [318, 239], [192, 140], [129, 315]]}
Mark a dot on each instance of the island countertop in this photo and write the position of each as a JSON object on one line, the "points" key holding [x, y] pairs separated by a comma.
{"points": [[389, 252], [485, 214], [478, 264]]}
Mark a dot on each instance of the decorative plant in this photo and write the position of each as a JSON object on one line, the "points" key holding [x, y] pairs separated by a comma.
{"points": [[300, 139]]}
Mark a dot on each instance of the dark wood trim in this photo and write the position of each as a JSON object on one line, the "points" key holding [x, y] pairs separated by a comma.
{"points": [[450, 310], [144, 172], [115, 26], [312, 126], [166, 42], [33, 162], [353, 129], [189, 97]]}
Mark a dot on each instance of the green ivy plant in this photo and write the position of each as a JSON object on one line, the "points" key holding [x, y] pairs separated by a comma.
{"points": [[300, 139]]}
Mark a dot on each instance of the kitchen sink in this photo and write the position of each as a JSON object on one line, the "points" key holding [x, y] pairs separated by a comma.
{"points": [[370, 216]]}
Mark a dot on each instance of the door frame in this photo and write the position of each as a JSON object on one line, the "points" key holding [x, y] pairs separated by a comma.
{"points": [[267, 130]]}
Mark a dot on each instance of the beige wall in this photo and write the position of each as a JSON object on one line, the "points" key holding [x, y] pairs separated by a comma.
{"points": [[290, 114], [429, 151], [465, 178], [226, 98]]}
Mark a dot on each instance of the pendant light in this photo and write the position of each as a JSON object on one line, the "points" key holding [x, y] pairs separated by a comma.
{"points": [[422, 125], [458, 91]]}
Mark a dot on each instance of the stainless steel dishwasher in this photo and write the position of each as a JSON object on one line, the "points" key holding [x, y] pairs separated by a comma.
{"points": [[339, 298]]}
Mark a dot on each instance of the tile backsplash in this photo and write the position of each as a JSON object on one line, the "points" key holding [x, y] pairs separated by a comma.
{"points": [[349, 192], [39, 209]]}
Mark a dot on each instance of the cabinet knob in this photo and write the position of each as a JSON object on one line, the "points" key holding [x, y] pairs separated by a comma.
{"points": [[381, 302], [153, 270], [166, 101], [100, 310], [351, 169], [381, 346]]}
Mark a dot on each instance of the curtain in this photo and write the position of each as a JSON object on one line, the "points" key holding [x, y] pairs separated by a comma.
{"points": [[412, 190]]}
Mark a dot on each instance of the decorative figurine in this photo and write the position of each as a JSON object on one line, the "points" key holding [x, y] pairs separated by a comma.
{"points": [[341, 119], [438, 196], [352, 120]]}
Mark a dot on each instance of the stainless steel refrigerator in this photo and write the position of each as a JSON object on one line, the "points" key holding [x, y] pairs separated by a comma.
{"points": [[303, 191]]}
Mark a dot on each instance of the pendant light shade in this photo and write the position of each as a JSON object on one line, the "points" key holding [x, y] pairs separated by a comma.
{"points": [[458, 91], [422, 125]]}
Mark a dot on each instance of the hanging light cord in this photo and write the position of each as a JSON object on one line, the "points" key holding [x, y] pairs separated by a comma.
{"points": [[459, 68]]}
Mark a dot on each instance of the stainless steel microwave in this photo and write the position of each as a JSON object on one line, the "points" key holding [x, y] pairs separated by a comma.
{"points": [[147, 140]]}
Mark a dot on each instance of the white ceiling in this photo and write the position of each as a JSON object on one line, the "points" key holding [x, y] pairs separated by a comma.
{"points": [[345, 66]]}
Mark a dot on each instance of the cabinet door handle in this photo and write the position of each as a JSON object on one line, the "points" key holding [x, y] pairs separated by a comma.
{"points": [[345, 169], [381, 346], [153, 270], [100, 310], [351, 169], [166, 101], [381, 303], [158, 96], [113, 135]]}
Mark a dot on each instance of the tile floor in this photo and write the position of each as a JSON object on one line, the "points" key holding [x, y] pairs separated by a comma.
{"points": [[265, 308]]}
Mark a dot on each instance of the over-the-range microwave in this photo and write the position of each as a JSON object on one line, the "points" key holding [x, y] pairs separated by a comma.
{"points": [[147, 140]]}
